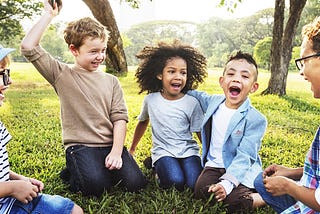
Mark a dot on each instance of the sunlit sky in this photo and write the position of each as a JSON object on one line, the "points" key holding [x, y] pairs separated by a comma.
{"points": [[182, 10]]}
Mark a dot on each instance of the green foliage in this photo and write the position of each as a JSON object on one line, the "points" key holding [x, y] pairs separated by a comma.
{"points": [[31, 114], [53, 42], [295, 55], [262, 52], [219, 37], [149, 33], [12, 12]]}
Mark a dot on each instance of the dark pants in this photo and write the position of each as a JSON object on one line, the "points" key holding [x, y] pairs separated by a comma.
{"points": [[89, 175], [238, 201]]}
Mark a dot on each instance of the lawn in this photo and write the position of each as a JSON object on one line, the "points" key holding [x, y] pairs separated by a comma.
{"points": [[31, 114]]}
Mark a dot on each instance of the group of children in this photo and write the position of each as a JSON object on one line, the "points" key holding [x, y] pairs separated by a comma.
{"points": [[94, 117]]}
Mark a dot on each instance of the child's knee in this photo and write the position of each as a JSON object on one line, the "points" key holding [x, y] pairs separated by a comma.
{"points": [[258, 182]]}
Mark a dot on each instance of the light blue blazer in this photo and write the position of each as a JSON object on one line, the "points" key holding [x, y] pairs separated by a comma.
{"points": [[242, 141]]}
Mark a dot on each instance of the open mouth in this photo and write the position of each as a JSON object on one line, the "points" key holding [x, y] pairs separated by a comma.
{"points": [[234, 90], [176, 85]]}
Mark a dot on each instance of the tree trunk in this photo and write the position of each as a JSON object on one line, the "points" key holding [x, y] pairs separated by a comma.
{"points": [[282, 43], [116, 60]]}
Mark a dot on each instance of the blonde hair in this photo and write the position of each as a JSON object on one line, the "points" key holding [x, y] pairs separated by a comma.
{"points": [[77, 31], [311, 31], [5, 62]]}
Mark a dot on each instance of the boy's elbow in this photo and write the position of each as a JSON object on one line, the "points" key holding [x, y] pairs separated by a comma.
{"points": [[25, 44]]}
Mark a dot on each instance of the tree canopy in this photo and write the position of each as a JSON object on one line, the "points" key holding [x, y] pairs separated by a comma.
{"points": [[12, 12]]}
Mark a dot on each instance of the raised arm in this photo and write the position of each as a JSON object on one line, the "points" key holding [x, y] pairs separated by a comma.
{"points": [[34, 35]]}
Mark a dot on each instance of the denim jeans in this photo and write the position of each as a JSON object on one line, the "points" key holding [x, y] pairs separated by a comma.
{"points": [[178, 172], [44, 204], [89, 175], [278, 203]]}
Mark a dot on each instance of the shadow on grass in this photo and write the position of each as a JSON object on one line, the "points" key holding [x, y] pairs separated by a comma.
{"points": [[297, 103]]}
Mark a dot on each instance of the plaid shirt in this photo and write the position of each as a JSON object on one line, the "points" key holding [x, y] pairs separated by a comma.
{"points": [[311, 176]]}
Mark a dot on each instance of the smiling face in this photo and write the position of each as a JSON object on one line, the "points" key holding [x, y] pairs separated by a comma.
{"points": [[311, 67], [173, 77], [91, 54], [238, 80]]}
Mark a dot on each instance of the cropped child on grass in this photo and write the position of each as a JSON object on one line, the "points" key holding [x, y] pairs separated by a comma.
{"points": [[17, 192], [166, 72], [93, 110], [297, 190], [232, 131]]}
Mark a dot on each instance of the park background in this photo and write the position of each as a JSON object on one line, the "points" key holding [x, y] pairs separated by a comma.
{"points": [[31, 109]]}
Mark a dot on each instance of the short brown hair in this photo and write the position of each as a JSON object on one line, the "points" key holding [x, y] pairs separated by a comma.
{"points": [[311, 31], [77, 31]]}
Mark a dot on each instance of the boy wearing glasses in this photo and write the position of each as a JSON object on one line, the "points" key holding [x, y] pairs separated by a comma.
{"points": [[93, 110], [297, 190], [17, 192]]}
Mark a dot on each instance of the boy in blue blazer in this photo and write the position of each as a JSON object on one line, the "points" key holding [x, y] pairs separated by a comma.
{"points": [[232, 132]]}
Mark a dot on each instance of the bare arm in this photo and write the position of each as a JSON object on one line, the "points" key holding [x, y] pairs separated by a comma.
{"points": [[33, 37], [278, 170], [280, 185], [138, 133], [19, 187], [114, 160]]}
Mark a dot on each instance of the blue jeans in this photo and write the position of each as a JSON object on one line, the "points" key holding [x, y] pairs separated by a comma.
{"points": [[89, 175], [178, 172], [44, 204], [278, 203]]}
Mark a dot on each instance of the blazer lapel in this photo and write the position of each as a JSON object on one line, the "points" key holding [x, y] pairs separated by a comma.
{"points": [[236, 118]]}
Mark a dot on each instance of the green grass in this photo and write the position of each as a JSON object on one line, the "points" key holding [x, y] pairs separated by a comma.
{"points": [[31, 114]]}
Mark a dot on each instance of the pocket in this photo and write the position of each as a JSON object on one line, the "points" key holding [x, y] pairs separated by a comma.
{"points": [[74, 149]]}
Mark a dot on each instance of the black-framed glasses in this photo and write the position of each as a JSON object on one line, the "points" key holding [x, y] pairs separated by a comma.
{"points": [[5, 76], [299, 62]]}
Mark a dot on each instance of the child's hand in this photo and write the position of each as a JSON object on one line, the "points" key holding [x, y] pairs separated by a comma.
{"points": [[277, 185], [219, 192], [53, 10], [113, 161], [131, 151], [37, 183], [24, 191]]}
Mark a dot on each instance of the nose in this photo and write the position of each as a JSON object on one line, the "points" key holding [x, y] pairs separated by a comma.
{"points": [[236, 78], [101, 55], [301, 72]]}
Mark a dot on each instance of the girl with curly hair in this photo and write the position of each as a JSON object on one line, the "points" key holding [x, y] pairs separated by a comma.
{"points": [[166, 73]]}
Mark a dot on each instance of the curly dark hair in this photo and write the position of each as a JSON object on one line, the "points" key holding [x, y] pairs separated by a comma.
{"points": [[154, 59]]}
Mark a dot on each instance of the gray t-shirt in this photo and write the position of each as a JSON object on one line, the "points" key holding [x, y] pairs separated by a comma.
{"points": [[172, 122]]}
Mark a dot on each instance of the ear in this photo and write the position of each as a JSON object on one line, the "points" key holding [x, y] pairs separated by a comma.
{"points": [[73, 50], [221, 81], [254, 87], [159, 76]]}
